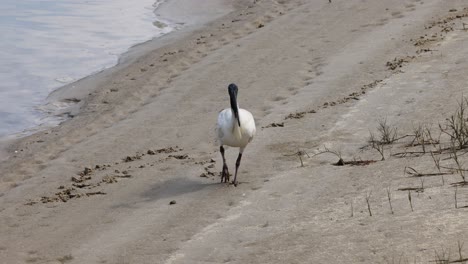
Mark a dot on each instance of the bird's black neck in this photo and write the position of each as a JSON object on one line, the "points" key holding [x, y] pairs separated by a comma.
{"points": [[234, 107]]}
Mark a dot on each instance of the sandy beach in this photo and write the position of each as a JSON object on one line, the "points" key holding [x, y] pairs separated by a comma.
{"points": [[133, 175]]}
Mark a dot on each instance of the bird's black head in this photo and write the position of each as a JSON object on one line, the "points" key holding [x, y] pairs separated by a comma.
{"points": [[232, 89]]}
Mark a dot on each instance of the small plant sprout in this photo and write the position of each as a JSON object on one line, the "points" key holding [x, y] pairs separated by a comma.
{"points": [[340, 161], [457, 161], [377, 146], [300, 154], [389, 196], [410, 200], [437, 164], [423, 137], [387, 133], [443, 257], [436, 160], [429, 137], [368, 195], [456, 126], [418, 137], [460, 247]]}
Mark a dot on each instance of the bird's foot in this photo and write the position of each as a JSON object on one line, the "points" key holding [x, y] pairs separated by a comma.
{"points": [[235, 183], [225, 174]]}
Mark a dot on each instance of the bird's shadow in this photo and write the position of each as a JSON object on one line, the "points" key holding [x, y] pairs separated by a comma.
{"points": [[171, 188], [175, 187], [180, 186]]}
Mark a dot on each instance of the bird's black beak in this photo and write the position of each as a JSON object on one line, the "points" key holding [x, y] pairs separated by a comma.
{"points": [[233, 96]]}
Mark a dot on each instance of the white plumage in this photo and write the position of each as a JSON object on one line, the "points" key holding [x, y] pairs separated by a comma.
{"points": [[229, 132], [236, 128]]}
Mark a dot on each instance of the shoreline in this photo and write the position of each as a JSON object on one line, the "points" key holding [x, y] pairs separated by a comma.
{"points": [[72, 96], [89, 38], [167, 9], [134, 177]]}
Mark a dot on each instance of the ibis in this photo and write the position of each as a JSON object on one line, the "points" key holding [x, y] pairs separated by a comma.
{"points": [[236, 128]]}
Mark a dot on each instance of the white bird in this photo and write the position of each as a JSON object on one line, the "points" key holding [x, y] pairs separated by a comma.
{"points": [[236, 128]]}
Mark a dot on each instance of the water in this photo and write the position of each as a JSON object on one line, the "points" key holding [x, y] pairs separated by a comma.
{"points": [[49, 43]]}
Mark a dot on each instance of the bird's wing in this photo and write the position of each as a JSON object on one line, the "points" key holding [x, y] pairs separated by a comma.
{"points": [[222, 122]]}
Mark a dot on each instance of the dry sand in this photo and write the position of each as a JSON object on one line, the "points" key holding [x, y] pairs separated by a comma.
{"points": [[314, 74]]}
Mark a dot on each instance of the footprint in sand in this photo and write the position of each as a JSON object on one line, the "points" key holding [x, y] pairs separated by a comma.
{"points": [[236, 34], [267, 110], [268, 17], [184, 65], [292, 89], [279, 98], [307, 80], [384, 20], [397, 14]]}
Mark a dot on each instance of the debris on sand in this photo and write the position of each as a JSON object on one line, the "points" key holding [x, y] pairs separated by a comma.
{"points": [[341, 162], [172, 202], [30, 202], [95, 193], [423, 51], [86, 171], [205, 162], [79, 179], [45, 199], [416, 189], [275, 125], [81, 185], [65, 258], [398, 62], [108, 179], [207, 174], [76, 179], [113, 178], [169, 150], [65, 195], [101, 167], [68, 194], [180, 157], [132, 158], [423, 40], [296, 115], [164, 150], [123, 176]]}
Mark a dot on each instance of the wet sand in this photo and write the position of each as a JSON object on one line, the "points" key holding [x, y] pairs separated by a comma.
{"points": [[133, 177]]}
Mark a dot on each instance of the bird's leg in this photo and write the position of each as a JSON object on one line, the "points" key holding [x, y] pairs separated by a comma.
{"points": [[225, 171], [237, 167]]}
